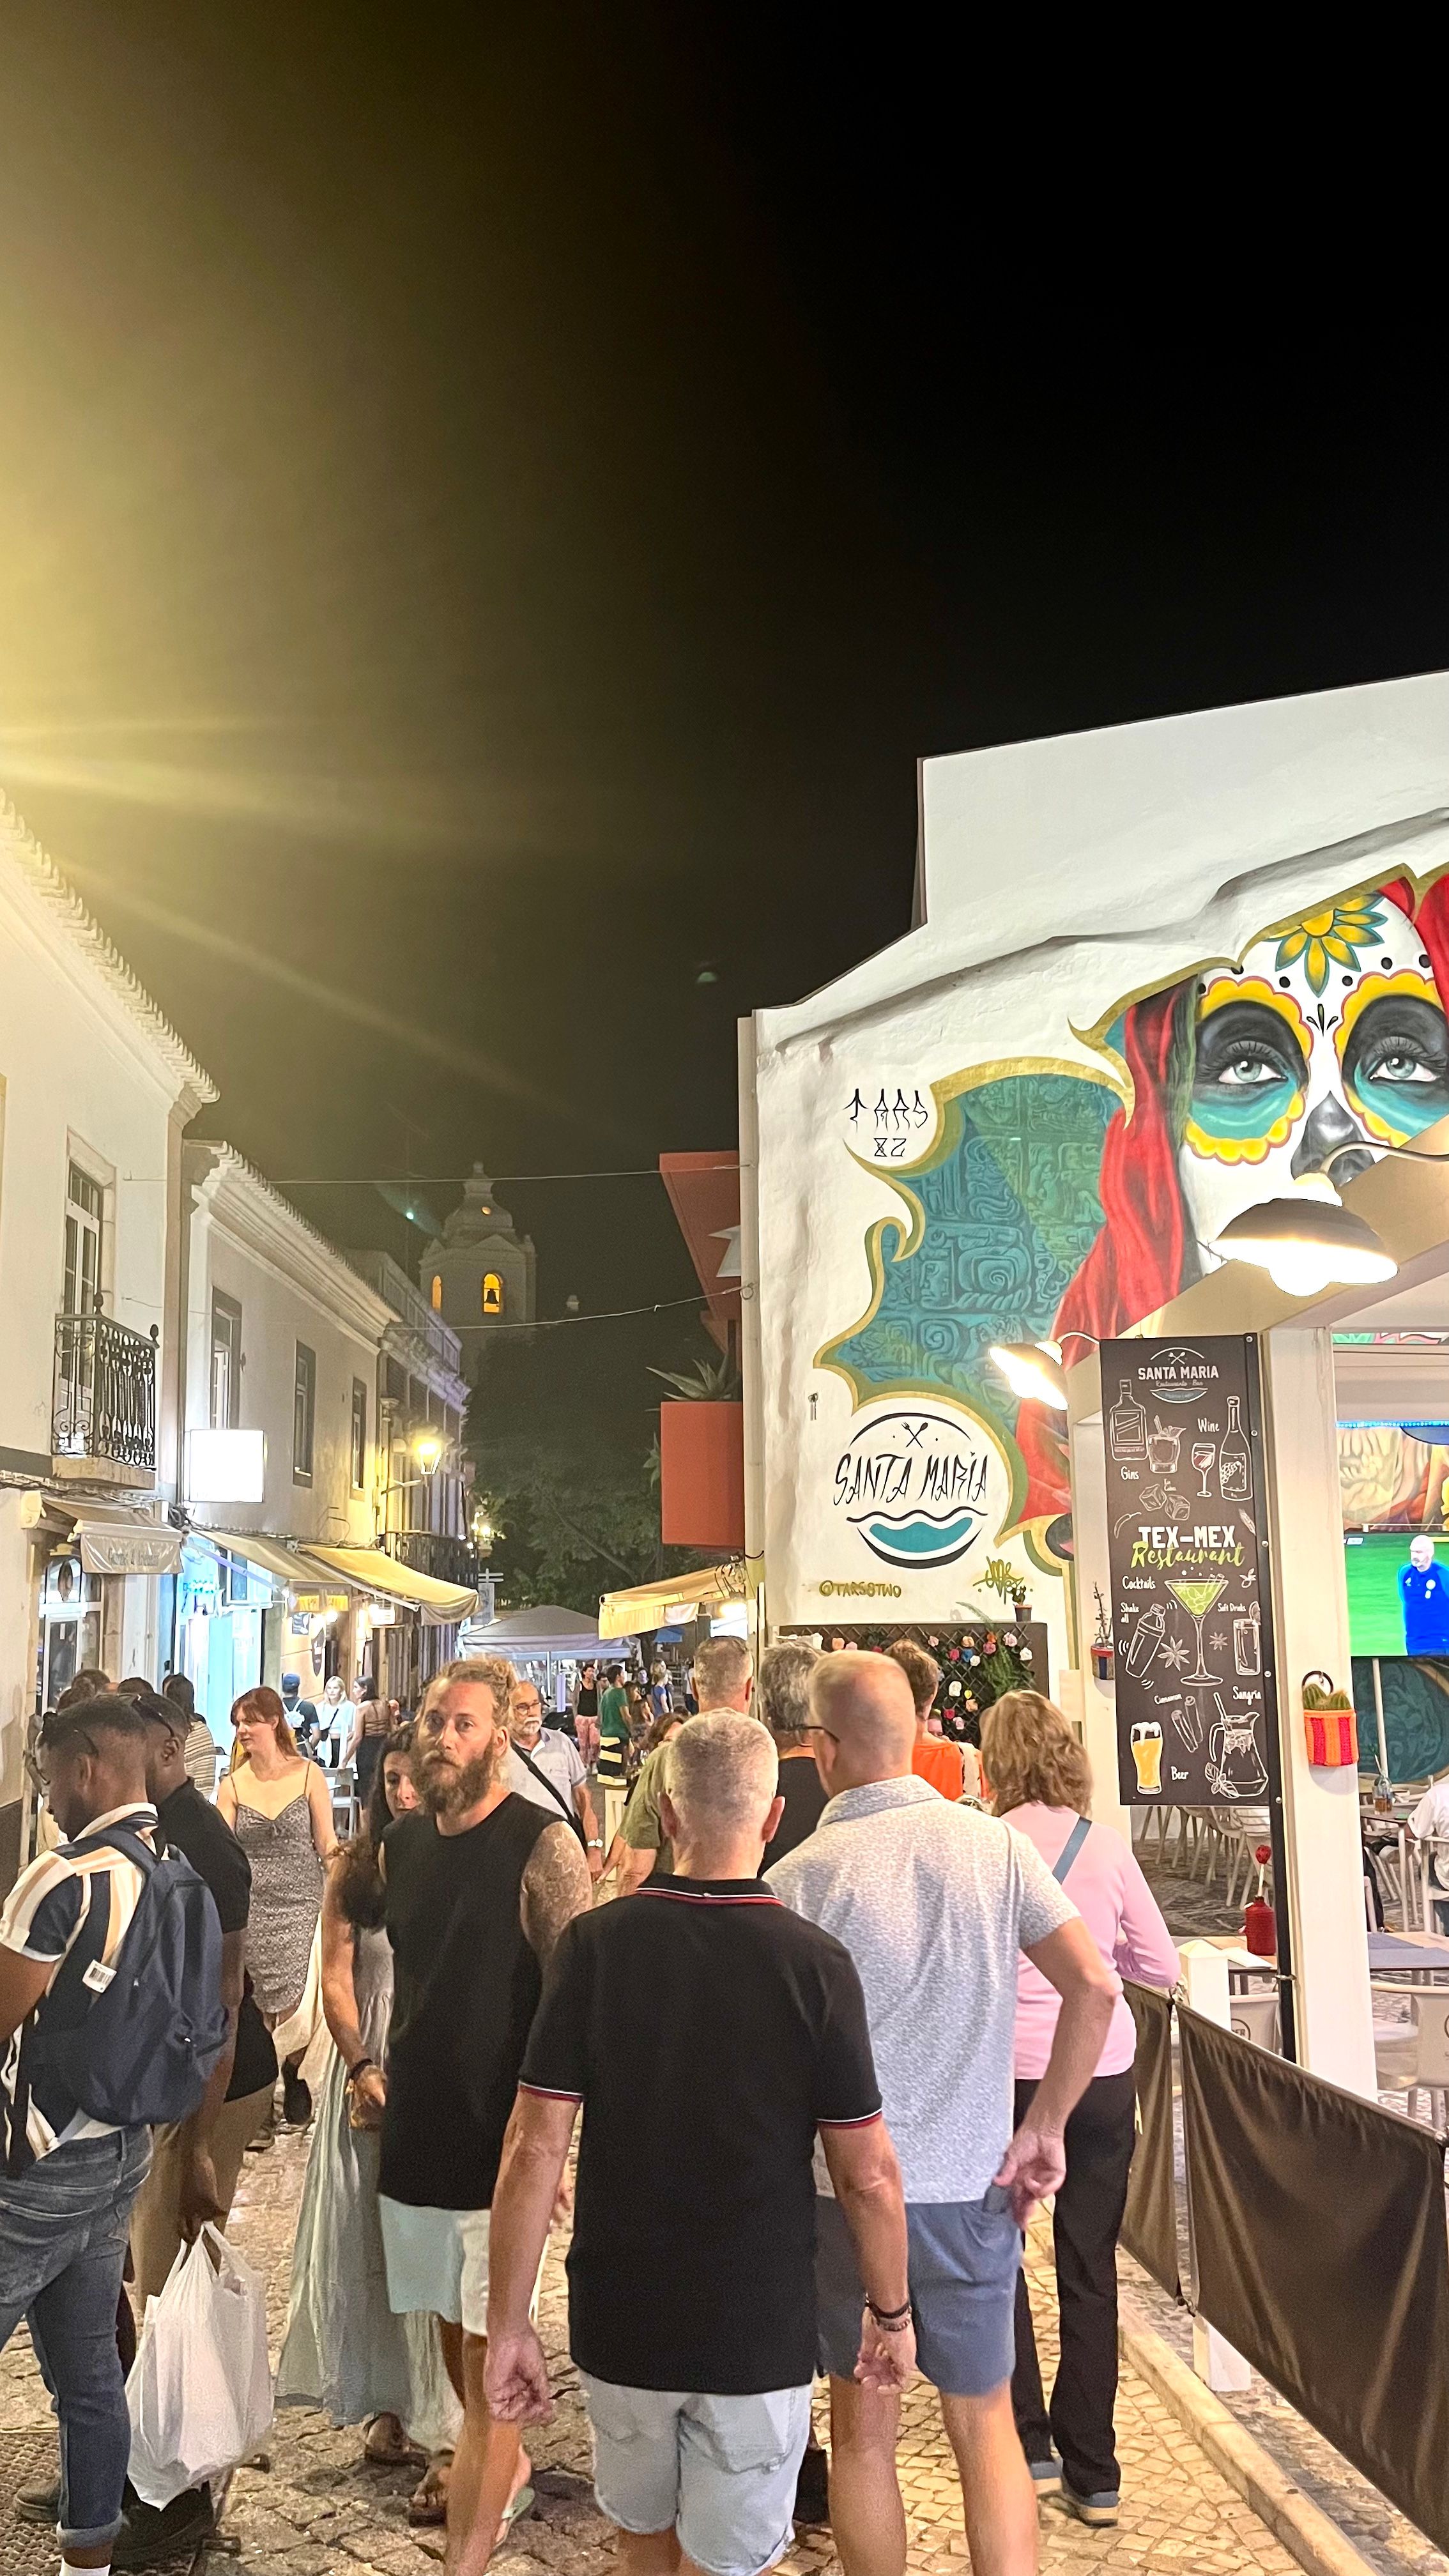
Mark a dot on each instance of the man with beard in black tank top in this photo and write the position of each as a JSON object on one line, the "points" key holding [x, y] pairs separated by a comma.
{"points": [[479, 1886]]}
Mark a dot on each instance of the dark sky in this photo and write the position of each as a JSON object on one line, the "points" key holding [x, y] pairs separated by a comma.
{"points": [[494, 503]]}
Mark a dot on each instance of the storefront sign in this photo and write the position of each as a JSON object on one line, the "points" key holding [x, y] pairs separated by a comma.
{"points": [[1191, 1610], [226, 1466]]}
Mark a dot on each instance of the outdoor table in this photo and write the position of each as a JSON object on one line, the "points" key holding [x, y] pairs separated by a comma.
{"points": [[1422, 1958]]}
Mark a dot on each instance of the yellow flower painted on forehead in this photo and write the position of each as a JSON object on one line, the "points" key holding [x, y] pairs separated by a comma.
{"points": [[1332, 937]]}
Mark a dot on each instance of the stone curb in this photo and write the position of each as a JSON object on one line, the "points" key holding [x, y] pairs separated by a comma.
{"points": [[1305, 2530]]}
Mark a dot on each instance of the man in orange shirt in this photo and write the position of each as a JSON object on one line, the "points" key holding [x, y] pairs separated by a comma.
{"points": [[933, 1759]]}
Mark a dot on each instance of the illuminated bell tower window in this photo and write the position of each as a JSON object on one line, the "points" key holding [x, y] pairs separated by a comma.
{"points": [[437, 1292], [492, 1293]]}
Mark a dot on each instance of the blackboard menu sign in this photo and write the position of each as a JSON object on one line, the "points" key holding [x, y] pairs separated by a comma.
{"points": [[1191, 1611]]}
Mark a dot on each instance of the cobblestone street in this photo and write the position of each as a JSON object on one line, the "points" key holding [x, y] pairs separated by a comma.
{"points": [[318, 2508]]}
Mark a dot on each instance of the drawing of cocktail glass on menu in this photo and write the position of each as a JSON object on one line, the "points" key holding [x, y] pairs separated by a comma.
{"points": [[1197, 1593], [1164, 1441], [1203, 1453]]}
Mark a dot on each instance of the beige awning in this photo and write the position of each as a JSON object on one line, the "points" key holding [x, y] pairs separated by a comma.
{"points": [[110, 1539], [371, 1569], [270, 1555], [678, 1598]]}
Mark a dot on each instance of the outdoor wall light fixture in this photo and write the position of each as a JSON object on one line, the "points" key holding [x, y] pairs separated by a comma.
{"points": [[1033, 1370], [1308, 1242], [428, 1447]]}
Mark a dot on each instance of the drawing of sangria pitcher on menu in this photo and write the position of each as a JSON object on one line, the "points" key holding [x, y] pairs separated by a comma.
{"points": [[1234, 1764], [1146, 1741]]}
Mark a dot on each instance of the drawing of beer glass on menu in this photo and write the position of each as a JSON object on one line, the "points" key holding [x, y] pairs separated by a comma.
{"points": [[1197, 1593], [1146, 1740]]}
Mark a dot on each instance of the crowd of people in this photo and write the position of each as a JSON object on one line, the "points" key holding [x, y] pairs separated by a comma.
{"points": [[833, 2027]]}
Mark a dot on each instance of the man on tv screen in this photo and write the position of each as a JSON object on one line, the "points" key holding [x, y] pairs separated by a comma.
{"points": [[1424, 1593]]}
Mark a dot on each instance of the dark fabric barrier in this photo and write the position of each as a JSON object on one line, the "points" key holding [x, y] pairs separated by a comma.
{"points": [[1149, 2228], [1320, 2252]]}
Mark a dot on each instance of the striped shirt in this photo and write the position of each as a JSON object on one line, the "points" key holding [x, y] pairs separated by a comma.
{"points": [[75, 1908]]}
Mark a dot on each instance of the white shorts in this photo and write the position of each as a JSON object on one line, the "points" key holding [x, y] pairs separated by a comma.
{"points": [[437, 2263], [720, 2471]]}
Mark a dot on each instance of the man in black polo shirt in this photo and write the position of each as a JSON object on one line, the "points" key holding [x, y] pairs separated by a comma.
{"points": [[694, 2015]]}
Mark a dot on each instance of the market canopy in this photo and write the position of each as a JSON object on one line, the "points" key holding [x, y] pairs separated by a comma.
{"points": [[371, 1569], [526, 1635], [676, 1598]]}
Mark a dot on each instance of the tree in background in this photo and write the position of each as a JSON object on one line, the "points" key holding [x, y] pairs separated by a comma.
{"points": [[565, 1439]]}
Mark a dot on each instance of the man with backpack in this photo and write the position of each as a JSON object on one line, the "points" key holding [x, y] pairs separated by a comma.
{"points": [[110, 2018]]}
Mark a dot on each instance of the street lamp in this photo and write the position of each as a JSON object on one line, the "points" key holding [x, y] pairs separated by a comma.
{"points": [[428, 1447]]}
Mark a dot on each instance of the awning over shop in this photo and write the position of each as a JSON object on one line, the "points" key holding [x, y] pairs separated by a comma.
{"points": [[677, 1598], [371, 1569], [112, 1540], [270, 1555]]}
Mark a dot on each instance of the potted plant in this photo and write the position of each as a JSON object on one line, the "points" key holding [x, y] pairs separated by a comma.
{"points": [[1103, 1658]]}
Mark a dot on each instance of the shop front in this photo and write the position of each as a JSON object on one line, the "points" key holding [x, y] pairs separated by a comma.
{"points": [[1166, 984]]}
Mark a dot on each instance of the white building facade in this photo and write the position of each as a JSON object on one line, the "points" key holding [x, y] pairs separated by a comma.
{"points": [[95, 1091], [282, 1351]]}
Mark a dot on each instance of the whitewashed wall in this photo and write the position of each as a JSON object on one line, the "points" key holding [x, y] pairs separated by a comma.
{"points": [[291, 1287], [87, 1069]]}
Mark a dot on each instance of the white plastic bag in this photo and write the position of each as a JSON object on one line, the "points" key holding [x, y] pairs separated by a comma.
{"points": [[200, 2389]]}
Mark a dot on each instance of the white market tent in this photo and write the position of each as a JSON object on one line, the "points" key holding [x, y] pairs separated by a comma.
{"points": [[533, 1636]]}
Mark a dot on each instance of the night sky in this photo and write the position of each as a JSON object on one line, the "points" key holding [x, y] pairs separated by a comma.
{"points": [[494, 504]]}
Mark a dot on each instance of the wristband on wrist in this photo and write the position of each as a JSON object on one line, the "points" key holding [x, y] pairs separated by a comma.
{"points": [[890, 2320], [360, 2068]]}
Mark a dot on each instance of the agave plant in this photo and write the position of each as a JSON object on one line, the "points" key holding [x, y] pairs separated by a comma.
{"points": [[708, 1382]]}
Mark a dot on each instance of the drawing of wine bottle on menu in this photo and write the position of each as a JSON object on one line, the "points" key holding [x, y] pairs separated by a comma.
{"points": [[1235, 1479], [1127, 1427]]}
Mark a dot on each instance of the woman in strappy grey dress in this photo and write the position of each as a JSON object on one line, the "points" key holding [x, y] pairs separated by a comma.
{"points": [[344, 2348], [277, 1805]]}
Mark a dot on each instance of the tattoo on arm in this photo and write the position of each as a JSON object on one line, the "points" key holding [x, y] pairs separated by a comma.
{"points": [[556, 1887]]}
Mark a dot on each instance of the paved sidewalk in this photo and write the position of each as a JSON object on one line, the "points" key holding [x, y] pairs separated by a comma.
{"points": [[320, 2512]]}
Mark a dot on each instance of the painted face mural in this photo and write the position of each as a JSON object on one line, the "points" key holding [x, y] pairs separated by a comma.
{"points": [[1055, 1200], [1328, 1039]]}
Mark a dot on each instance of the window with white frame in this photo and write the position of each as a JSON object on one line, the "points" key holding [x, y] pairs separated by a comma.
{"points": [[85, 1205], [226, 1353]]}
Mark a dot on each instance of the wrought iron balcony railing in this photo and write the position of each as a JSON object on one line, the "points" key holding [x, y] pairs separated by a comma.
{"points": [[447, 1559], [105, 1391]]}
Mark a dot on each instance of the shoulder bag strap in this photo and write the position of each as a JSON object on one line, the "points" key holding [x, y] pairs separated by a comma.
{"points": [[1070, 1849], [544, 1782], [119, 1838]]}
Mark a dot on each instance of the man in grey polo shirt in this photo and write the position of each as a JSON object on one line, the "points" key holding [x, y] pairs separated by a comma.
{"points": [[935, 1903]]}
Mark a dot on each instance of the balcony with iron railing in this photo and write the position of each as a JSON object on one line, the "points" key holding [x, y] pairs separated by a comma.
{"points": [[435, 1552], [103, 1415]]}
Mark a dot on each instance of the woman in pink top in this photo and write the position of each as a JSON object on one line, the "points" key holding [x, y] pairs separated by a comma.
{"points": [[1043, 1787]]}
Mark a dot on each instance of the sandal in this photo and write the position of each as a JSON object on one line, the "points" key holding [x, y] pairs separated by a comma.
{"points": [[406, 2455], [428, 2503], [517, 2507]]}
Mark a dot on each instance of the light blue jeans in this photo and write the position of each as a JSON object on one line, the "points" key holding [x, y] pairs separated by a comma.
{"points": [[63, 2228]]}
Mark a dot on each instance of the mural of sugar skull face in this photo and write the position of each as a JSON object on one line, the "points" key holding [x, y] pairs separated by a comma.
{"points": [[1328, 1040]]}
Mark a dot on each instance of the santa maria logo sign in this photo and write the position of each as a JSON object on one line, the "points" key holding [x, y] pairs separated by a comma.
{"points": [[913, 1483]]}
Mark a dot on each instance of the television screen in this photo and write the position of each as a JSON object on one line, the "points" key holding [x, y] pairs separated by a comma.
{"points": [[1398, 1593]]}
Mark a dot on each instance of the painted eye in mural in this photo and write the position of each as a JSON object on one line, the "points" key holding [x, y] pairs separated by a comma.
{"points": [[1396, 1063], [1245, 1048]]}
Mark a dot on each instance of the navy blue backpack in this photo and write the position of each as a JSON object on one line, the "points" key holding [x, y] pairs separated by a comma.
{"points": [[141, 2046]]}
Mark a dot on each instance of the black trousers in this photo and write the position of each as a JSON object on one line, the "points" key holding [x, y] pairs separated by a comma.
{"points": [[1100, 2137]]}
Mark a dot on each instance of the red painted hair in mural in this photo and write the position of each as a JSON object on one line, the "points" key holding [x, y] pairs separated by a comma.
{"points": [[1145, 1253]]}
